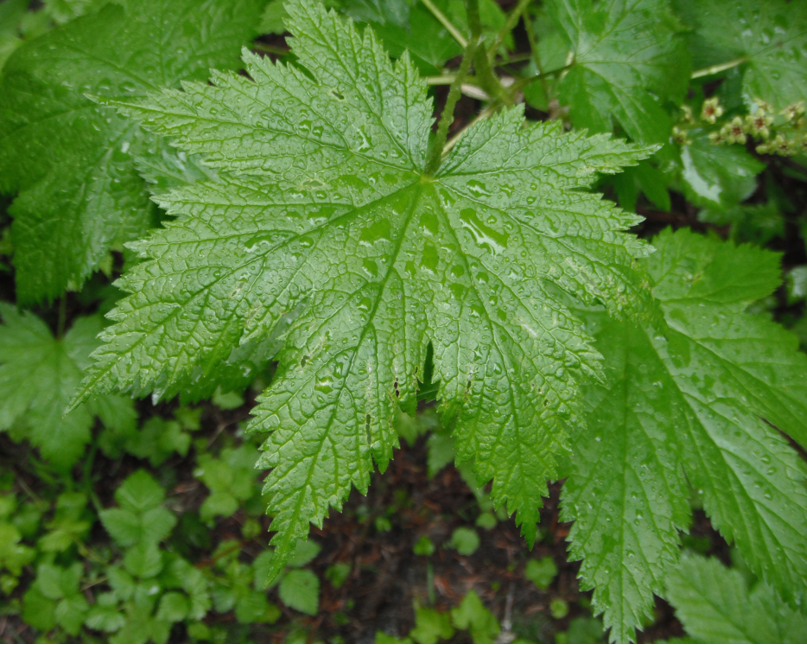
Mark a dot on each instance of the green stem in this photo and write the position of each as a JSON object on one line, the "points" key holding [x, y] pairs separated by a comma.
{"points": [[488, 80], [523, 82], [446, 23], [448, 79], [270, 49], [511, 22], [447, 116], [535, 56], [62, 317], [716, 69]]}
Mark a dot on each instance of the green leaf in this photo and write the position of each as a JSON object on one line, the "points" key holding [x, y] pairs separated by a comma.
{"points": [[386, 260], [139, 493], [717, 177], [770, 36], [299, 589], [475, 617], [465, 540], [231, 479], [38, 376], [141, 517], [715, 605], [38, 611], [71, 612], [157, 440], [304, 552], [430, 625], [629, 60], [758, 223], [143, 560], [70, 159], [338, 574], [424, 546], [70, 524], [541, 572], [686, 407], [174, 606], [13, 555], [105, 615]]}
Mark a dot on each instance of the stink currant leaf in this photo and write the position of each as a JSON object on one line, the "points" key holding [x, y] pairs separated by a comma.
{"points": [[70, 159], [770, 37], [629, 59], [688, 406], [322, 201]]}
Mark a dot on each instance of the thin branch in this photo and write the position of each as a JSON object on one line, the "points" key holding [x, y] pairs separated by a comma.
{"points": [[512, 20], [523, 82], [447, 116], [446, 23], [716, 69], [535, 56]]}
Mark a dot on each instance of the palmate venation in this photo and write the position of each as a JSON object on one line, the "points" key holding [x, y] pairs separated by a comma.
{"points": [[322, 208]]}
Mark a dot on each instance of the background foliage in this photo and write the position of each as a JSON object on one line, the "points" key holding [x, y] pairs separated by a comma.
{"points": [[677, 417]]}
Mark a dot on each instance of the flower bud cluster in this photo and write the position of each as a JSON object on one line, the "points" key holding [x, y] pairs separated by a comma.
{"points": [[781, 133]]}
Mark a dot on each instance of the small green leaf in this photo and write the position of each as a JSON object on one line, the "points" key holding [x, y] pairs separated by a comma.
{"points": [[174, 606], [299, 589], [143, 560], [304, 552], [475, 617], [717, 177], [465, 540], [105, 615], [431, 625], [541, 572], [38, 376], [338, 573], [38, 611], [424, 546]]}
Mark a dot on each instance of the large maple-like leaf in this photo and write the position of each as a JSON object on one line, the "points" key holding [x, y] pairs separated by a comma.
{"points": [[690, 405], [72, 161], [322, 208]]}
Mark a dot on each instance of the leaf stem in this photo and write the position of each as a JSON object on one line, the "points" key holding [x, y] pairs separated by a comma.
{"points": [[448, 79], [512, 20], [62, 317], [446, 23], [447, 116], [535, 56], [523, 82], [716, 69], [488, 80]]}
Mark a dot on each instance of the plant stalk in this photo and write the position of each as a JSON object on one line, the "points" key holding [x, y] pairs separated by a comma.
{"points": [[447, 116], [446, 23], [535, 56], [512, 20], [716, 69], [523, 82]]}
